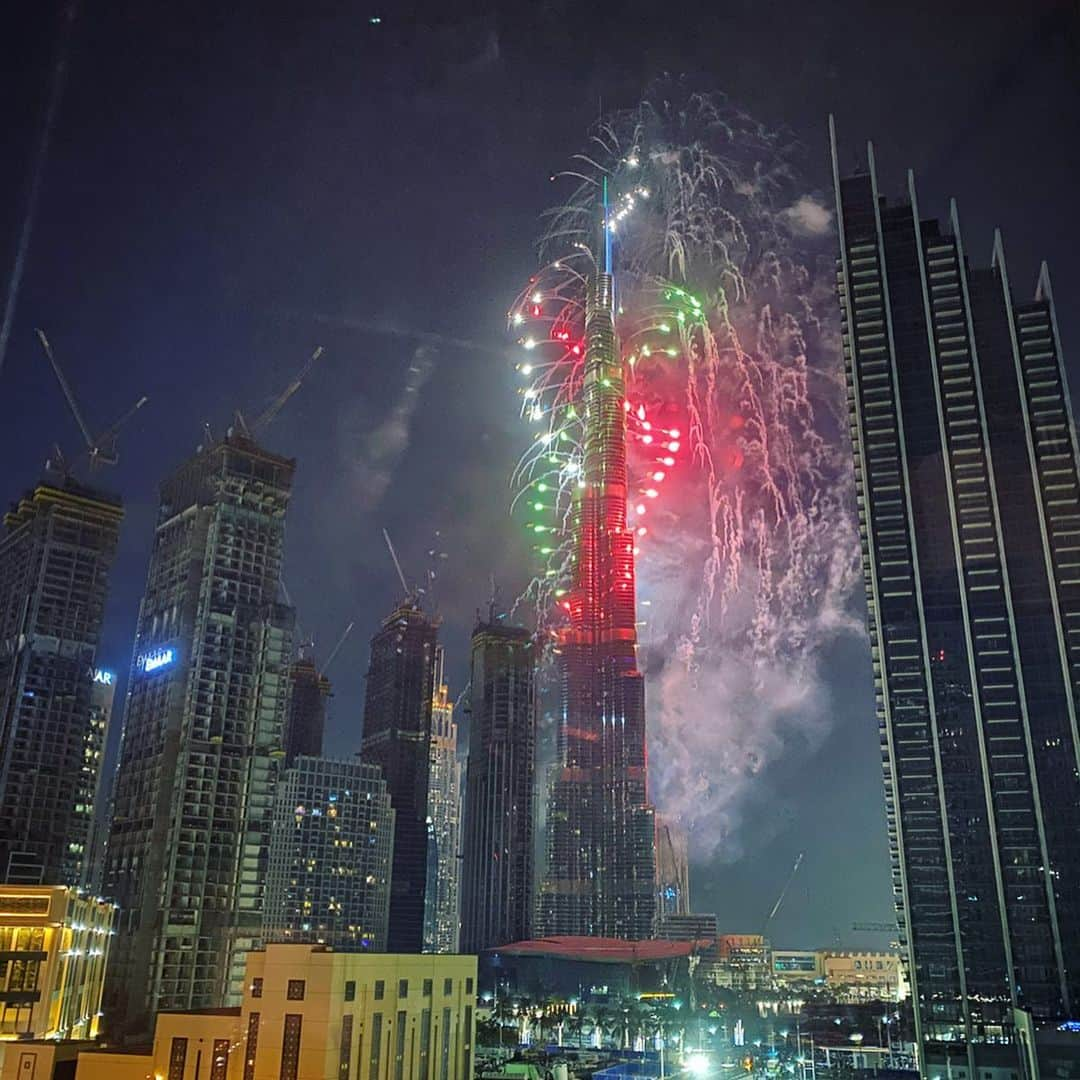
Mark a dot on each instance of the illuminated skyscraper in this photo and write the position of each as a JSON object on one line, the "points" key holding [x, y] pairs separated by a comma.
{"points": [[397, 737], [203, 737], [601, 863], [969, 504], [441, 907], [328, 879], [498, 882], [59, 543]]}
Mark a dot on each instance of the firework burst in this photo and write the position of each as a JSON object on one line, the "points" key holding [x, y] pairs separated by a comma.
{"points": [[748, 551]]}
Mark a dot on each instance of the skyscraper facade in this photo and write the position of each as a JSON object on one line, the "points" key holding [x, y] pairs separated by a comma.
{"points": [[498, 880], [328, 878], [969, 503], [58, 545], [442, 914], [397, 737], [203, 737], [601, 863], [309, 692]]}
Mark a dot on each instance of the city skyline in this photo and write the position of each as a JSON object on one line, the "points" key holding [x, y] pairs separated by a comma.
{"points": [[370, 567]]}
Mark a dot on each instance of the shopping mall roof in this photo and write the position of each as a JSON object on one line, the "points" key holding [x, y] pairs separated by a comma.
{"points": [[604, 950]]}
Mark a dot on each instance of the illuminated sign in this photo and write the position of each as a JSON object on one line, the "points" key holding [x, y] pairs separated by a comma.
{"points": [[105, 678], [153, 660]]}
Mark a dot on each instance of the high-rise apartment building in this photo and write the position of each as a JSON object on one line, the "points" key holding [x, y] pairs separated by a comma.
{"points": [[498, 874], [309, 692], [102, 700], [969, 510], [600, 877], [442, 904], [397, 737], [58, 545], [328, 880], [672, 868], [203, 736]]}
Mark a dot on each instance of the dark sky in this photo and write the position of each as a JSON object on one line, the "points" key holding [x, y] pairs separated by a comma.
{"points": [[231, 184]]}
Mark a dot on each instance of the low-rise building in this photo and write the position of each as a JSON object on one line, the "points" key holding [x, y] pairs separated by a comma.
{"points": [[864, 975], [309, 1013], [798, 965], [54, 943]]}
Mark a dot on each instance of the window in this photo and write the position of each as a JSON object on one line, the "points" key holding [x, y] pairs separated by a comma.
{"points": [[399, 1048], [376, 1044], [295, 991], [444, 1053], [427, 988], [425, 1040], [403, 988], [256, 987], [345, 1048], [467, 1039], [380, 989], [290, 1046], [447, 987], [177, 1059], [468, 985], [350, 990], [252, 1046], [219, 1067]]}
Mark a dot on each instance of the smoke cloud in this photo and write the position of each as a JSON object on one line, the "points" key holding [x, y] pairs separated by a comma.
{"points": [[376, 453]]}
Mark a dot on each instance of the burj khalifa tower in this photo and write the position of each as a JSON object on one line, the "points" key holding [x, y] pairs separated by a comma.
{"points": [[600, 877]]}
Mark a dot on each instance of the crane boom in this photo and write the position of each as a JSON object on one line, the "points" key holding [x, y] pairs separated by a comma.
{"points": [[278, 404], [102, 448], [397, 565], [337, 648], [69, 394]]}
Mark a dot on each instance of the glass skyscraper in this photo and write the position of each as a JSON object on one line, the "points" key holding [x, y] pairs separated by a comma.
{"points": [[600, 878], [58, 545], [442, 915], [498, 866], [969, 511], [203, 737], [397, 736]]}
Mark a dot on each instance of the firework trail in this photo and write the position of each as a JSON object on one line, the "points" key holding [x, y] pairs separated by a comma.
{"points": [[748, 550], [37, 170]]}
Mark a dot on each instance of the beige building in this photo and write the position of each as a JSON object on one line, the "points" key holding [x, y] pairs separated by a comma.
{"points": [[864, 975], [312, 1014], [53, 948]]}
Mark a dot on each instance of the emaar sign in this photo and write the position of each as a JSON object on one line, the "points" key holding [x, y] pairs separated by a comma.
{"points": [[153, 661], [103, 677]]}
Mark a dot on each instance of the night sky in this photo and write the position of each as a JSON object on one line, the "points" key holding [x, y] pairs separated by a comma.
{"points": [[230, 185]]}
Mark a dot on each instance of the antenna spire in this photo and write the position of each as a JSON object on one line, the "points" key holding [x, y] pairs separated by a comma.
{"points": [[607, 231]]}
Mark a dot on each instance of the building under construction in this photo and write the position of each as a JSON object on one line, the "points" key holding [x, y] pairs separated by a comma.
{"points": [[601, 860], [59, 543], [203, 737]]}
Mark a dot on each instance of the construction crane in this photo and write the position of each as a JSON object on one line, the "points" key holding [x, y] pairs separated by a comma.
{"points": [[100, 449], [875, 927], [783, 893], [337, 648], [410, 594], [257, 427]]}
